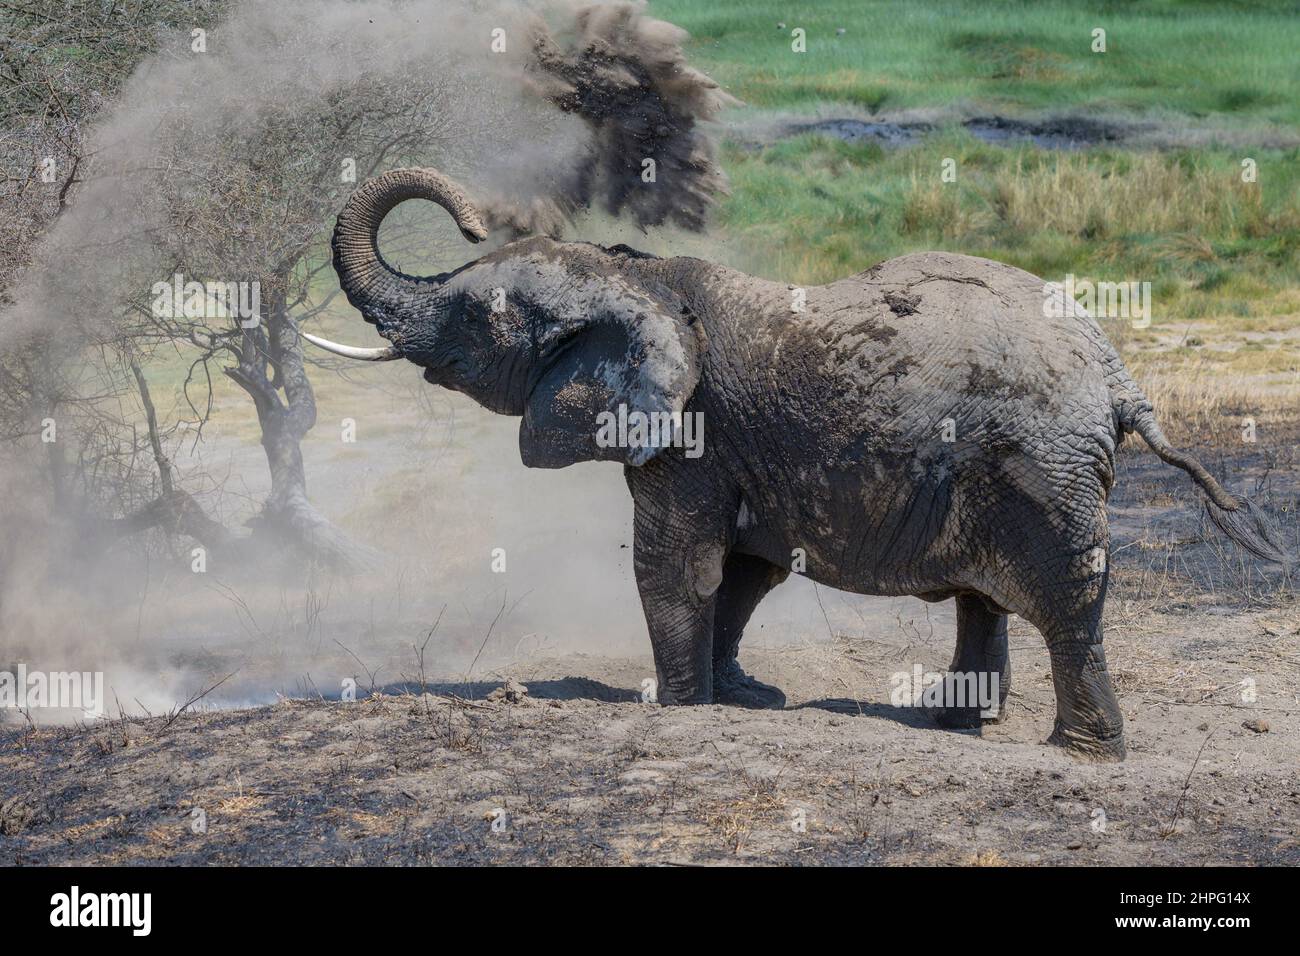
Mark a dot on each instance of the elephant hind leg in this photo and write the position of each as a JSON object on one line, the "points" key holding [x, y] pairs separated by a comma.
{"points": [[980, 675], [1088, 719], [746, 580]]}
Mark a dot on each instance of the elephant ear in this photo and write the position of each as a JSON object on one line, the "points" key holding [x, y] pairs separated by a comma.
{"points": [[628, 351]]}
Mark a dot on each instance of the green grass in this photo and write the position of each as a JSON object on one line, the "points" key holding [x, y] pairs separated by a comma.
{"points": [[1230, 61], [811, 209]]}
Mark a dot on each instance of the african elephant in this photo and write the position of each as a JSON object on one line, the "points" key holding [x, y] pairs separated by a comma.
{"points": [[923, 428]]}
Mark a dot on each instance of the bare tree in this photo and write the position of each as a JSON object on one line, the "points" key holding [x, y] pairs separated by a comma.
{"points": [[60, 63], [213, 192]]}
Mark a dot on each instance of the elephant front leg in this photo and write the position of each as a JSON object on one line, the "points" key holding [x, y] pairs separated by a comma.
{"points": [[981, 664], [678, 561]]}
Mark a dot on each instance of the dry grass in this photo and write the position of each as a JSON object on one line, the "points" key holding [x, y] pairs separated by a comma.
{"points": [[932, 206], [1146, 671], [238, 805], [1197, 401], [734, 820], [759, 803], [163, 836], [1142, 193], [1080, 196], [93, 829]]}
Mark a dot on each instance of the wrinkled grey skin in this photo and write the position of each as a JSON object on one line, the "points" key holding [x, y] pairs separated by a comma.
{"points": [[824, 436]]}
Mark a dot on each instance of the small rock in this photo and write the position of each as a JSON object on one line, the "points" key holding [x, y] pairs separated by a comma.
{"points": [[512, 692], [1203, 727], [1258, 725], [780, 26], [840, 31], [1076, 845]]}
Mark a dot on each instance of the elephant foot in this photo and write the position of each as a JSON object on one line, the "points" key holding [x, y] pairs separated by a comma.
{"points": [[958, 718], [962, 717], [733, 686], [965, 718], [1087, 746]]}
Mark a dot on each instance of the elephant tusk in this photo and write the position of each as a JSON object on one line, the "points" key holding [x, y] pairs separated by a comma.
{"points": [[351, 351]]}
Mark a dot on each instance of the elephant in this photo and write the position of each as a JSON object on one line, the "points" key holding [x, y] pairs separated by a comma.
{"points": [[926, 427]]}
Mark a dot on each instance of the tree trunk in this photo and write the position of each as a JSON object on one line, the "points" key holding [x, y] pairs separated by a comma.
{"points": [[272, 360], [174, 510]]}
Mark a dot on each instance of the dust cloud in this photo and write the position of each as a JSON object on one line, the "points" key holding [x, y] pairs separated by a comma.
{"points": [[480, 561]]}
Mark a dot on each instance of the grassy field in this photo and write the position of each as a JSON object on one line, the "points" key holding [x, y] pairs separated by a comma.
{"points": [[1234, 60], [1183, 220]]}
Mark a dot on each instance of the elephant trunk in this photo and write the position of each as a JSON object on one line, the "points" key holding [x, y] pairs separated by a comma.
{"points": [[371, 284]]}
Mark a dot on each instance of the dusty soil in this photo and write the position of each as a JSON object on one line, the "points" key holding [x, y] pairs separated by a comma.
{"points": [[586, 773]]}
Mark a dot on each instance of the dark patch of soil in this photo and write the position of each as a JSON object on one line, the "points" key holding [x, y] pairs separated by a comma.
{"points": [[1054, 133], [1162, 537]]}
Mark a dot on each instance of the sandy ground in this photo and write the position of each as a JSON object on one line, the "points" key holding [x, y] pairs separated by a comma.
{"points": [[578, 770]]}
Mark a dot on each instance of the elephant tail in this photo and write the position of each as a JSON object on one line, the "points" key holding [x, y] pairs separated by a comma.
{"points": [[1236, 516]]}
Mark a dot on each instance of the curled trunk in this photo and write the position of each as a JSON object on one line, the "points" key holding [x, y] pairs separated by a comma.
{"points": [[370, 283]]}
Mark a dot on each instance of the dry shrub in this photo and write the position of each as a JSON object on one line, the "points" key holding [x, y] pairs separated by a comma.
{"points": [[933, 206], [1144, 194], [1082, 196]]}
